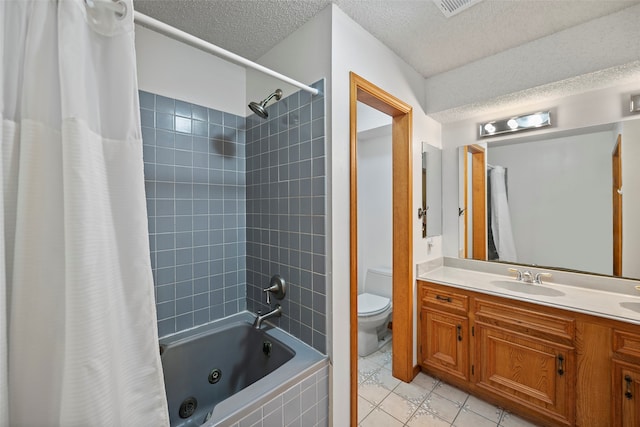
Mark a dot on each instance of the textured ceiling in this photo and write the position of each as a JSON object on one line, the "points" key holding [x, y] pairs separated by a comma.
{"points": [[416, 30], [622, 74]]}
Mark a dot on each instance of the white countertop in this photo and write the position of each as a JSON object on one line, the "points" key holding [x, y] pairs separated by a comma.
{"points": [[613, 305]]}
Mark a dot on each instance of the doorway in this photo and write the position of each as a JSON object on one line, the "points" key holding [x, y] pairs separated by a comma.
{"points": [[401, 114], [475, 200], [616, 159]]}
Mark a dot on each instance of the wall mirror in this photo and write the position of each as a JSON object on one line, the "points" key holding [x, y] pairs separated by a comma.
{"points": [[430, 212], [567, 200]]}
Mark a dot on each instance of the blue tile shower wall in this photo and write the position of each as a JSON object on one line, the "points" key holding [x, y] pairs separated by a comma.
{"points": [[286, 198], [194, 160]]}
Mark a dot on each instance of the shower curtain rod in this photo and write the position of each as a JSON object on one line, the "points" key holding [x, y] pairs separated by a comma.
{"points": [[119, 7], [176, 34]]}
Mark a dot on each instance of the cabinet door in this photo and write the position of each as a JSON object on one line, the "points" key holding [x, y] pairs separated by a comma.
{"points": [[626, 394], [445, 342], [535, 373]]}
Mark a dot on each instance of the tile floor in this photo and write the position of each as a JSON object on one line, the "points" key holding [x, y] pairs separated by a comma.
{"points": [[388, 402]]}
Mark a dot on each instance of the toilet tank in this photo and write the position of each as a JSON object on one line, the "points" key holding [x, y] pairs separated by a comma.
{"points": [[379, 282]]}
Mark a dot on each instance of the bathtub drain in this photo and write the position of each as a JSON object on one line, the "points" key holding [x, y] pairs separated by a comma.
{"points": [[188, 407], [215, 375]]}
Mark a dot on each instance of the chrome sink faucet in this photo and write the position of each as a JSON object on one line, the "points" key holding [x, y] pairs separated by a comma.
{"points": [[527, 276]]}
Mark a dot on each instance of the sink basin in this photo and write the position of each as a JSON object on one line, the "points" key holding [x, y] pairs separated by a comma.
{"points": [[634, 306], [526, 288]]}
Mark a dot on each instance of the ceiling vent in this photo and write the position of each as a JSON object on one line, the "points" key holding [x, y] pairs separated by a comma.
{"points": [[453, 7]]}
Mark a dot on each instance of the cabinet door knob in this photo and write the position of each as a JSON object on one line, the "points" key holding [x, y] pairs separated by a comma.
{"points": [[628, 393], [560, 365], [459, 328], [441, 298]]}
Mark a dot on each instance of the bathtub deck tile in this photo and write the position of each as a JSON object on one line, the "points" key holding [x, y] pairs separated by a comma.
{"points": [[309, 397], [272, 405], [308, 382], [274, 419], [292, 393], [323, 411], [252, 418], [309, 418], [292, 410], [322, 382], [295, 423]]}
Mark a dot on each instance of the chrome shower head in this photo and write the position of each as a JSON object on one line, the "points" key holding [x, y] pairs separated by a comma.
{"points": [[261, 108]]}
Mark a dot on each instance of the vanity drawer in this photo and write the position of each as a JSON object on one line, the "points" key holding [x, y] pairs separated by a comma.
{"points": [[536, 323], [444, 299], [626, 343]]}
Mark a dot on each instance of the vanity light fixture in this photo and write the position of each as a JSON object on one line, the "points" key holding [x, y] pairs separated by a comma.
{"points": [[518, 123], [635, 103]]}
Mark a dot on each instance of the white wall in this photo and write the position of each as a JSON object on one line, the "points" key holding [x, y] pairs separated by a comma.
{"points": [[304, 56], [176, 70], [599, 107], [631, 199], [375, 207], [559, 194], [331, 45], [353, 49]]}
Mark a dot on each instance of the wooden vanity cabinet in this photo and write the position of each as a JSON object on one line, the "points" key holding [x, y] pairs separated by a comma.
{"points": [[626, 378], [446, 346], [526, 356], [508, 352], [626, 394], [555, 367]]}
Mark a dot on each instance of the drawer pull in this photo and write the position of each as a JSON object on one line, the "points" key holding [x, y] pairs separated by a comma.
{"points": [[560, 365], [628, 393], [459, 328], [441, 298]]}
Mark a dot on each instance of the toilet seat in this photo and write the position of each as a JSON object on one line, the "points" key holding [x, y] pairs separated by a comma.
{"points": [[370, 305]]}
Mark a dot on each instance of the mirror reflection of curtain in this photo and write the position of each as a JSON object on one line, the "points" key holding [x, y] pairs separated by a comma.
{"points": [[501, 244]]}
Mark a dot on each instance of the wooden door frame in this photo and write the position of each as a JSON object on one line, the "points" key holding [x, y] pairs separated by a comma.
{"points": [[402, 130], [616, 160], [479, 201]]}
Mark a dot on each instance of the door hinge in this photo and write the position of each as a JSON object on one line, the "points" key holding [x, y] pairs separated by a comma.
{"points": [[473, 331]]}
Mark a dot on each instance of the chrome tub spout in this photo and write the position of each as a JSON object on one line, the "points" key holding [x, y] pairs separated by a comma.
{"points": [[276, 312]]}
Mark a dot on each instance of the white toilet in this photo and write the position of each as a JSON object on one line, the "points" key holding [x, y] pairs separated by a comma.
{"points": [[374, 309]]}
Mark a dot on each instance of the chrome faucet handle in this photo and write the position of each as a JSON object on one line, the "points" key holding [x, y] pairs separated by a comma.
{"points": [[277, 287], [518, 273], [539, 276], [268, 292]]}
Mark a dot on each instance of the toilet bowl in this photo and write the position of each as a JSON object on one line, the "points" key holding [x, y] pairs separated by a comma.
{"points": [[374, 310]]}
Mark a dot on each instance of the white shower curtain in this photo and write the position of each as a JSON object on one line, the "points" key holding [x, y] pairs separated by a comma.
{"points": [[501, 218], [78, 335]]}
